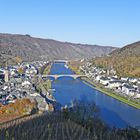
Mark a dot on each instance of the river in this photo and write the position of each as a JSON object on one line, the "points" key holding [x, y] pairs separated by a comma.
{"points": [[112, 111]]}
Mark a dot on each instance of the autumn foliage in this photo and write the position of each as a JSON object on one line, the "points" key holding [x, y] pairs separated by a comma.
{"points": [[15, 110], [124, 66]]}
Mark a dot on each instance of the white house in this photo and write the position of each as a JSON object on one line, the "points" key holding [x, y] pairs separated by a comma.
{"points": [[26, 84], [98, 77], [35, 94], [124, 78], [129, 90], [113, 79], [133, 80], [104, 81], [137, 96], [114, 84]]}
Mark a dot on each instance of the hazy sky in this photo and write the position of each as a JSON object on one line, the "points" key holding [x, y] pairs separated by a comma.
{"points": [[103, 22]]}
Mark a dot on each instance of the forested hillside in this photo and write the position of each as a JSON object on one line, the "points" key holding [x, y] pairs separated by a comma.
{"points": [[30, 48], [126, 61]]}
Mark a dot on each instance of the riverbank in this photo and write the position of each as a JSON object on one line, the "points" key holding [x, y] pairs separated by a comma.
{"points": [[111, 93], [104, 90], [47, 83]]}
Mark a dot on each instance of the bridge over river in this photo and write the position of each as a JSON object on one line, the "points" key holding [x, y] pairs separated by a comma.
{"points": [[56, 76], [60, 61]]}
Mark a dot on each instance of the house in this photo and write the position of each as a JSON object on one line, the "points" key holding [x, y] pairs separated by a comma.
{"points": [[1, 74], [16, 80], [26, 84], [138, 82], [41, 104], [12, 73], [124, 79], [104, 81], [133, 80], [11, 98], [12, 70], [97, 78], [114, 84], [30, 69], [35, 94], [114, 78], [128, 90], [137, 96]]}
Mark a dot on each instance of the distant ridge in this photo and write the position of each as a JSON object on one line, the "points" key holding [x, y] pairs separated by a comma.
{"points": [[31, 48]]}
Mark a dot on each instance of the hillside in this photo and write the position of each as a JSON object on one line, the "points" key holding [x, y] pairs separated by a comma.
{"points": [[79, 123], [126, 60], [129, 50], [30, 48]]}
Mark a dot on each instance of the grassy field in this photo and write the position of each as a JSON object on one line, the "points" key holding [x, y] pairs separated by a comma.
{"points": [[47, 70]]}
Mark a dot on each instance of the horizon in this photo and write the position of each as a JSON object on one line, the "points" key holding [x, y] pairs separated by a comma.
{"points": [[105, 23], [66, 41]]}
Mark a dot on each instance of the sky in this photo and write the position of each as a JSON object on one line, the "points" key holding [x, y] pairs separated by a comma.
{"points": [[103, 22]]}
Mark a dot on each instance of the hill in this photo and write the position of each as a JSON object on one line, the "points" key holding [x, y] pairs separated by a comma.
{"points": [[30, 48], [82, 122], [126, 60], [129, 50]]}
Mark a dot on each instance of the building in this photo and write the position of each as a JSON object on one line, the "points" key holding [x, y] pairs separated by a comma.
{"points": [[128, 90], [104, 81], [114, 84], [6, 76]]}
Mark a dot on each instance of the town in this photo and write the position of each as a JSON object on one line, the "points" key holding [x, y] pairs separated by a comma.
{"points": [[25, 81], [21, 81], [124, 86]]}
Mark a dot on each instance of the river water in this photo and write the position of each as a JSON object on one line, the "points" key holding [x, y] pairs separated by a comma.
{"points": [[112, 111]]}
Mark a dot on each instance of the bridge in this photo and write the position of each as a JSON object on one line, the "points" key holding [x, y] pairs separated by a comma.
{"points": [[56, 76], [61, 61]]}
